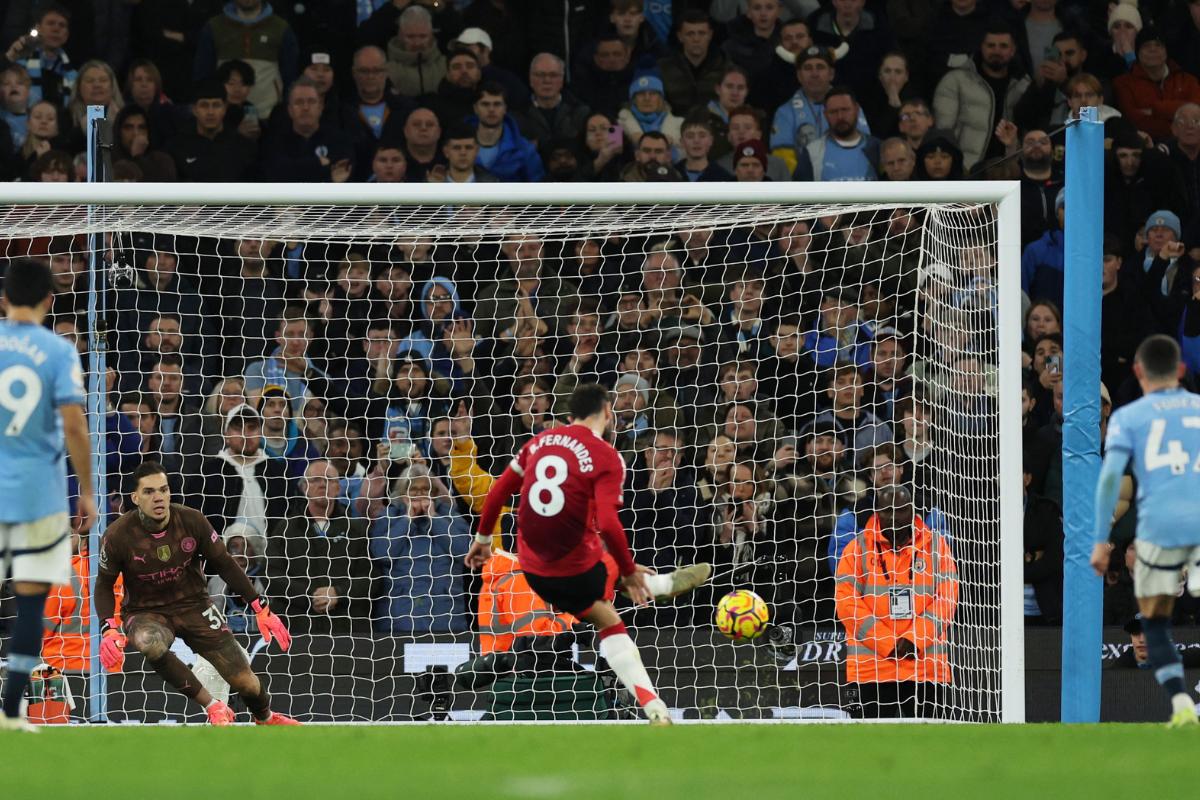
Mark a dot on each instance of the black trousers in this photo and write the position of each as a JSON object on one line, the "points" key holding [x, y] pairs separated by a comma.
{"points": [[895, 700]]}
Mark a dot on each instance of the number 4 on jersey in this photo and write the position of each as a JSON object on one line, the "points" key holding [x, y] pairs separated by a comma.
{"points": [[1175, 456]]}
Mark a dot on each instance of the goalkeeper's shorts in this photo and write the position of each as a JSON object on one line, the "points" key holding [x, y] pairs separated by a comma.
{"points": [[37, 551], [1158, 571]]}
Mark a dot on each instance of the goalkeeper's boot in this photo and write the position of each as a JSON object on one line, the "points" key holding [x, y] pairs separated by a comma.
{"points": [[276, 719], [16, 724], [1183, 713], [220, 714], [657, 713], [685, 579]]}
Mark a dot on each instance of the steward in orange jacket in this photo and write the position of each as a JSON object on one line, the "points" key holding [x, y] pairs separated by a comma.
{"points": [[897, 589], [68, 619], [508, 608]]}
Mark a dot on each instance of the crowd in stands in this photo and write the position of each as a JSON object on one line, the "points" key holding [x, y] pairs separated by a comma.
{"points": [[340, 411]]}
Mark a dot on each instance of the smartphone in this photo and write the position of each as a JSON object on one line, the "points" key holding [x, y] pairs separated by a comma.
{"points": [[1051, 53], [615, 136], [401, 450], [1054, 364], [252, 113]]}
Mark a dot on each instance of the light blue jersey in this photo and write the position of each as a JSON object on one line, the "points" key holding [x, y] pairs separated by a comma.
{"points": [[1161, 434], [38, 373]]}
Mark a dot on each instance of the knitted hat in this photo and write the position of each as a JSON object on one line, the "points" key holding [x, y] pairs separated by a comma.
{"points": [[639, 384], [1165, 219], [1147, 35], [1124, 12], [242, 413], [752, 148], [645, 83]]}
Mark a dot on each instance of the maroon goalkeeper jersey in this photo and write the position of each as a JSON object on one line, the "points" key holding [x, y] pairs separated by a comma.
{"points": [[566, 474]]}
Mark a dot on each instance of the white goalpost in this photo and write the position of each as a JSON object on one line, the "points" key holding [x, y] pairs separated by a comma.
{"points": [[778, 353]]}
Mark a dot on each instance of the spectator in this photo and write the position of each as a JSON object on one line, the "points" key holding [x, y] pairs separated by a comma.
{"points": [[178, 417], [886, 376], [307, 150], [372, 114], [1043, 572], [696, 141], [971, 100], [422, 133], [801, 120], [731, 91], [479, 42], [939, 159], [863, 430], [627, 18], [647, 111], [553, 112], [415, 64], [44, 59], [144, 90], [319, 559], [240, 114], [885, 96], [899, 651], [282, 440], [503, 24], [838, 335], [240, 484], [251, 31], [164, 336], [401, 406], [753, 37], [897, 161], [1184, 153], [638, 411], [381, 24], [916, 123], [96, 86], [525, 272], [853, 32], [787, 374], [772, 87], [227, 394], [1155, 87], [15, 86], [953, 36], [455, 95], [461, 151], [690, 74], [133, 145], [746, 123], [1138, 180], [651, 160], [1161, 260], [503, 151], [842, 153], [604, 146], [289, 364], [420, 545], [1040, 185], [388, 165], [605, 79], [1045, 103], [210, 152]]}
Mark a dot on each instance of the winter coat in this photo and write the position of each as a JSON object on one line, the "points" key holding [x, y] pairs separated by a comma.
{"points": [[1042, 268], [565, 121], [963, 103], [415, 74], [422, 560], [516, 160], [1150, 104], [687, 86]]}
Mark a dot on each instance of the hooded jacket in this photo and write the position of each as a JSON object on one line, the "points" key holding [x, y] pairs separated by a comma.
{"points": [[415, 74], [963, 103], [513, 159]]}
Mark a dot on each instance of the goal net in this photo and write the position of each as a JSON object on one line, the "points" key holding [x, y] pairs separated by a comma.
{"points": [[336, 386]]}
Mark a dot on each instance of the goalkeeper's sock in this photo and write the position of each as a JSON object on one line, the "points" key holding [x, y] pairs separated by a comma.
{"points": [[622, 655], [24, 653], [1164, 657], [176, 673]]}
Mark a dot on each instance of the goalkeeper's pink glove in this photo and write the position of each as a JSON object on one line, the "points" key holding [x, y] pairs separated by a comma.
{"points": [[112, 646], [270, 625]]}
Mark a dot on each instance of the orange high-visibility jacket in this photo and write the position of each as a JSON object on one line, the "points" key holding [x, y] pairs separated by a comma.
{"points": [[869, 567], [508, 608], [68, 619]]}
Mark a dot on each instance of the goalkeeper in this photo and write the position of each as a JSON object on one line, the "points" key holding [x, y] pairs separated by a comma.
{"points": [[161, 550]]}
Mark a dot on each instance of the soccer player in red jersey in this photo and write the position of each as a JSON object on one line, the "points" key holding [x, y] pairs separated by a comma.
{"points": [[571, 479]]}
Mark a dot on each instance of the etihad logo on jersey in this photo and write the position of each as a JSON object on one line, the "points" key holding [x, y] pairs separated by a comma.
{"points": [[569, 442]]}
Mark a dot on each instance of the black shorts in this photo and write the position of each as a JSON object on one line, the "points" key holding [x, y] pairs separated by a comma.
{"points": [[574, 594], [201, 626]]}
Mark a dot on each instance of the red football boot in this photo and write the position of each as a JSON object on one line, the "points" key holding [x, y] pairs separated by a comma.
{"points": [[276, 719], [220, 714]]}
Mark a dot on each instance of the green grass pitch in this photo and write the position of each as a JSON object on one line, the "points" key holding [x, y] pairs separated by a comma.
{"points": [[738, 762]]}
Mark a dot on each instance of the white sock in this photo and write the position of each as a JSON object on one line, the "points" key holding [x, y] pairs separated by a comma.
{"points": [[659, 584], [622, 655], [1182, 700]]}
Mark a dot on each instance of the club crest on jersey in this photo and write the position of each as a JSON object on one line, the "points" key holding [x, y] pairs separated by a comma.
{"points": [[188, 544], [163, 552]]}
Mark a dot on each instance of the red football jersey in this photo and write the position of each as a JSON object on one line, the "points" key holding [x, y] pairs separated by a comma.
{"points": [[566, 473]]}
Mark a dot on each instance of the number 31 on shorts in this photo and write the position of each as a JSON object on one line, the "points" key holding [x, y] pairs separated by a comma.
{"points": [[214, 616]]}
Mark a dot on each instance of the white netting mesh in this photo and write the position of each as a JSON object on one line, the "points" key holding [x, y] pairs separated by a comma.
{"points": [[773, 364]]}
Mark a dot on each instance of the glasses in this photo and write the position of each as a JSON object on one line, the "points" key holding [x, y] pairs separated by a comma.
{"points": [[439, 298], [913, 115]]}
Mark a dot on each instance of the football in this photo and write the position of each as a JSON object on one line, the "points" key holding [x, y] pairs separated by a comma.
{"points": [[742, 614]]}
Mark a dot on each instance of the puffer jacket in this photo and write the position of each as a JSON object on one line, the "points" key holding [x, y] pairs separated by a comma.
{"points": [[415, 74], [963, 103], [1151, 105]]}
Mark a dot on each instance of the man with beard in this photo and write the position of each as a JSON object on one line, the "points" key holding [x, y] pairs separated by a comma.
{"points": [[1040, 182], [971, 100], [897, 591], [844, 153]]}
